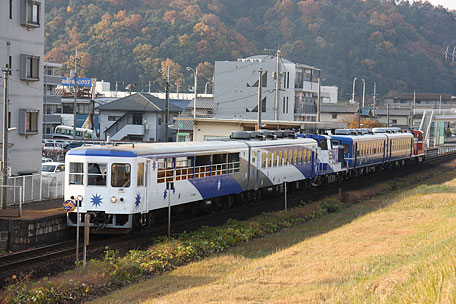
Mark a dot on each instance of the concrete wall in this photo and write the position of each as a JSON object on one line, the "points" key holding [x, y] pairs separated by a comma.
{"points": [[21, 234], [205, 131], [15, 39]]}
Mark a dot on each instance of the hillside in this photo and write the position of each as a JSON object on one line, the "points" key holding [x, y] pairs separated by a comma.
{"points": [[398, 45]]}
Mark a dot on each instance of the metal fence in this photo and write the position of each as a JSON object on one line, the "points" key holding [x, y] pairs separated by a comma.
{"points": [[36, 187]]}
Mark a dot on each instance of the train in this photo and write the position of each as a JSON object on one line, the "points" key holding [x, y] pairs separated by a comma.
{"points": [[126, 186]]}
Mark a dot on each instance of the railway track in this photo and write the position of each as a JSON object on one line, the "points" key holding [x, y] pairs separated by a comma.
{"points": [[66, 250]]}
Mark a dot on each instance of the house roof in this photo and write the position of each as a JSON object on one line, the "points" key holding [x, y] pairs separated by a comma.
{"points": [[392, 112], [339, 108], [421, 96], [138, 103], [202, 103]]}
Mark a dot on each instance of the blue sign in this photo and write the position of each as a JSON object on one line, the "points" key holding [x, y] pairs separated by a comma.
{"points": [[82, 82], [69, 205]]}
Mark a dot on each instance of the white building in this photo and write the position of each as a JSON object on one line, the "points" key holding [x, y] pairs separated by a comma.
{"points": [[52, 102], [22, 48], [236, 89]]}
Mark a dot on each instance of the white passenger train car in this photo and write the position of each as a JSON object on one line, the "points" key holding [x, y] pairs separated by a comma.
{"points": [[125, 186]]}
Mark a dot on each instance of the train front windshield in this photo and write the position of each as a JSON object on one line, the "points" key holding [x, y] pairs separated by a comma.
{"points": [[95, 174]]}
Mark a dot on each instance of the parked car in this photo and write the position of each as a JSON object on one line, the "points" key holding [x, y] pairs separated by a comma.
{"points": [[52, 168], [46, 160], [52, 149]]}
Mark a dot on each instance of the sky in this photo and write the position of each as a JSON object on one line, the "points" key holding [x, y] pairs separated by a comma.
{"points": [[450, 4]]}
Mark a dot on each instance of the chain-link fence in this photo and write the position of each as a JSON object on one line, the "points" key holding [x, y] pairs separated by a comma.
{"points": [[34, 187]]}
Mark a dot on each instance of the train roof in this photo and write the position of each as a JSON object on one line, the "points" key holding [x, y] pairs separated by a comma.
{"points": [[366, 137], [143, 149]]}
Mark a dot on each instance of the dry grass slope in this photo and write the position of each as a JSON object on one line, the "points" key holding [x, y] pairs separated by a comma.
{"points": [[396, 248]]}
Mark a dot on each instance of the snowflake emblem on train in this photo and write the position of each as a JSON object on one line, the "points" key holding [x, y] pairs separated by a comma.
{"points": [[96, 200], [138, 200], [219, 185], [154, 165], [165, 194]]}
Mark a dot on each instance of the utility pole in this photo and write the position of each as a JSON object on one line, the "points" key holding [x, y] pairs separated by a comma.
{"points": [[75, 76], [375, 98], [260, 102], [414, 104], [319, 100], [387, 115], [94, 92], [364, 91], [440, 104], [149, 86], [195, 74], [5, 71], [277, 79], [167, 107]]}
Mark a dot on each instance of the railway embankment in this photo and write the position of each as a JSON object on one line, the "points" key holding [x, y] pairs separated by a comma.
{"points": [[332, 250]]}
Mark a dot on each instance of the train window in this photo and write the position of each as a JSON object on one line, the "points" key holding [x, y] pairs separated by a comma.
{"points": [[253, 157], [295, 156], [274, 163], [285, 158], [269, 159], [300, 156], [76, 173], [120, 175], [234, 163], [263, 160], [280, 158], [140, 175], [96, 174], [346, 148], [290, 157], [323, 144]]}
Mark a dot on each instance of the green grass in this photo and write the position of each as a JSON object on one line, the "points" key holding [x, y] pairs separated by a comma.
{"points": [[396, 248]]}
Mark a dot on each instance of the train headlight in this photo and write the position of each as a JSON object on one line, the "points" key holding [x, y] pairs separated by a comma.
{"points": [[80, 197], [113, 199]]}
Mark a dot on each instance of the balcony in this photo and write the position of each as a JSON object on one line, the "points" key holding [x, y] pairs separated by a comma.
{"points": [[52, 99], [52, 79], [52, 119]]}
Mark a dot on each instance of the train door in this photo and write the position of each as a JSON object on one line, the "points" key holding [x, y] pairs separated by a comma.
{"points": [[258, 169]]}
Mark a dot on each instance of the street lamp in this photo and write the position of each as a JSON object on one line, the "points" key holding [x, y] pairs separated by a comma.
{"points": [[195, 75], [205, 86], [353, 92]]}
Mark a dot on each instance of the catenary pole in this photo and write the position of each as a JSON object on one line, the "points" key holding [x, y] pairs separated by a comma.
{"points": [[75, 93], [167, 107], [5, 71], [277, 88], [260, 104]]}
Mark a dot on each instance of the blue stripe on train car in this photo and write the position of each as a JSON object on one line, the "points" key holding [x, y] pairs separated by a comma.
{"points": [[219, 185], [109, 153], [306, 170]]}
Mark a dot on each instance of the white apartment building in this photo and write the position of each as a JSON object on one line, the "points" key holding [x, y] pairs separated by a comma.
{"points": [[22, 49], [236, 89]]}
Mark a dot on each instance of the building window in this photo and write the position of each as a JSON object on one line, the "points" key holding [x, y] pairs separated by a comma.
{"points": [[113, 118], [334, 116], [28, 121], [30, 67], [394, 121], [67, 108], [30, 13], [159, 121]]}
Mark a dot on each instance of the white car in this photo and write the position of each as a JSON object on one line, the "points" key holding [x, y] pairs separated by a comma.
{"points": [[52, 168]]}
